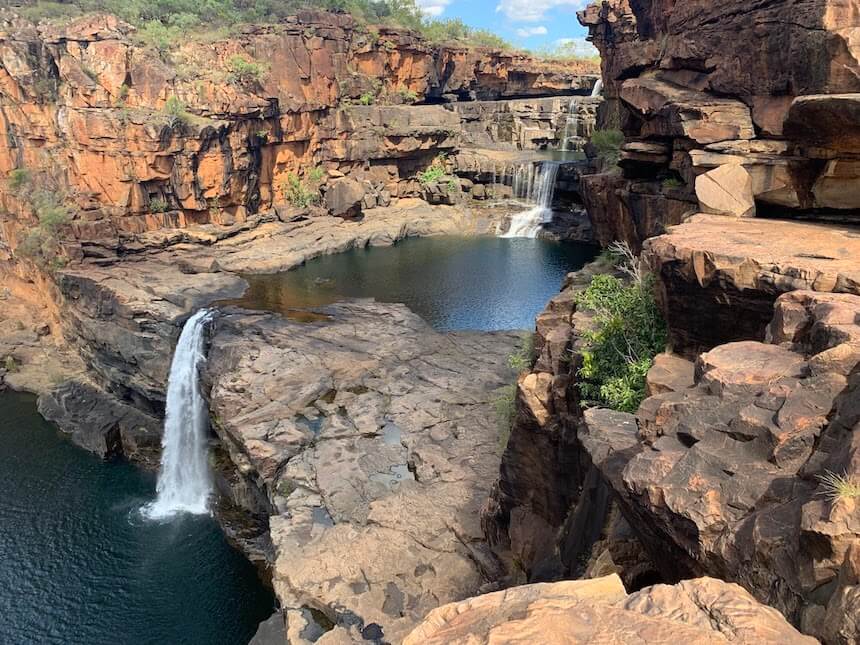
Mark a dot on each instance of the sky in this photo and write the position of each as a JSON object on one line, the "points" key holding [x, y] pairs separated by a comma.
{"points": [[530, 24]]}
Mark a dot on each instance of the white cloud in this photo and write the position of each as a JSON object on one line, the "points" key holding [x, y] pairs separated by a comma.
{"points": [[534, 10], [433, 8], [532, 31], [577, 47]]}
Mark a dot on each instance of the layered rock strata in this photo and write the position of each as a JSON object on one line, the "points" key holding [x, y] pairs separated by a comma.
{"points": [[138, 140], [740, 108]]}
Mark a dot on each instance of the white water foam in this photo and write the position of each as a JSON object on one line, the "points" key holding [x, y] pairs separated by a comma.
{"points": [[184, 481]]}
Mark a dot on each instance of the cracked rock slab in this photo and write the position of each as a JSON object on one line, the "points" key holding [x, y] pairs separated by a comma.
{"points": [[375, 441]]}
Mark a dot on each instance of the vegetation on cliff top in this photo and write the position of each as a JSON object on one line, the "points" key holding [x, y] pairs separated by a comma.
{"points": [[163, 22], [628, 333]]}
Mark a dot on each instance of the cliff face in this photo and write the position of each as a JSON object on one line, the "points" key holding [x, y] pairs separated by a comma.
{"points": [[144, 141], [737, 180], [729, 108]]}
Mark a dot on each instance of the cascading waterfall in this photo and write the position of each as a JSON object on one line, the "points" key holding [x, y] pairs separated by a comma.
{"points": [[184, 482], [572, 123], [597, 90], [539, 187]]}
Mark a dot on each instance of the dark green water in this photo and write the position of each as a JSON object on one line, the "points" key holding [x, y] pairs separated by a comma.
{"points": [[78, 565], [454, 283]]}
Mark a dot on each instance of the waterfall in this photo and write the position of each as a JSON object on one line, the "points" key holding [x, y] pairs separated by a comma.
{"points": [[597, 90], [184, 483], [572, 123], [541, 187]]}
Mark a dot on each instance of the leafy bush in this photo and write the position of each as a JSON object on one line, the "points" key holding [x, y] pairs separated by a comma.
{"points": [[19, 178], [628, 333], [434, 172], [245, 72], [673, 182], [608, 145], [366, 99], [455, 30], [302, 194], [175, 109], [159, 36], [158, 205], [524, 358]]}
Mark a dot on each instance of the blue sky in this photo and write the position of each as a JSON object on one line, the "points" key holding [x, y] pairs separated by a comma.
{"points": [[531, 24]]}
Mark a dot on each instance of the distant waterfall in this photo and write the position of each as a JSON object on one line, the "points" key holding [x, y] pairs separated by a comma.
{"points": [[184, 483], [537, 185], [597, 90], [571, 124]]}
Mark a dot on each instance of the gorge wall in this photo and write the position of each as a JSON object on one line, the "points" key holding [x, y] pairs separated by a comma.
{"points": [[738, 182], [142, 139]]}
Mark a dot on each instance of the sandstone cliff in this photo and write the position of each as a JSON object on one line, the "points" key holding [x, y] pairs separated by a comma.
{"points": [[141, 139], [740, 188]]}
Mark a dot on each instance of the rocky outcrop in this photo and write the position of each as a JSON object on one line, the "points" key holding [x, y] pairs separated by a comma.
{"points": [[549, 505], [743, 108], [528, 124], [141, 141], [712, 268], [728, 475], [695, 611], [373, 442]]}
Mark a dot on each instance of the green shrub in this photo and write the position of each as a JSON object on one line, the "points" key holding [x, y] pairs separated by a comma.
{"points": [[628, 333], [608, 145], [407, 96], [525, 356], [158, 205], [241, 71], [368, 98], [302, 194], [673, 182], [175, 110], [19, 178], [159, 36]]}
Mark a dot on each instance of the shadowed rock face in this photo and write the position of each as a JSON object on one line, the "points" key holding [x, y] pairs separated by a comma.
{"points": [[590, 611], [735, 108], [723, 476], [374, 440]]}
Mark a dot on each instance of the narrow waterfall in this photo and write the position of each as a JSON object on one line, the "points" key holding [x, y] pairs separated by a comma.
{"points": [[184, 483], [538, 186], [597, 90], [571, 124]]}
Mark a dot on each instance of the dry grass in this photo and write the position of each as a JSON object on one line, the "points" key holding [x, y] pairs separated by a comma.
{"points": [[837, 487]]}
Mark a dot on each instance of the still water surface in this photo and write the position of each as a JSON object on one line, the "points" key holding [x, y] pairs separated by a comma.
{"points": [[454, 283]]}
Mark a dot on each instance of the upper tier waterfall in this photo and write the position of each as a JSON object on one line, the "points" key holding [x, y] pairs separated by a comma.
{"points": [[536, 184], [184, 482], [597, 90]]}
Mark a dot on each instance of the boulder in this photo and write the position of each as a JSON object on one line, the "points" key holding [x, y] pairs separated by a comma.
{"points": [[726, 190], [702, 611], [345, 197]]}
